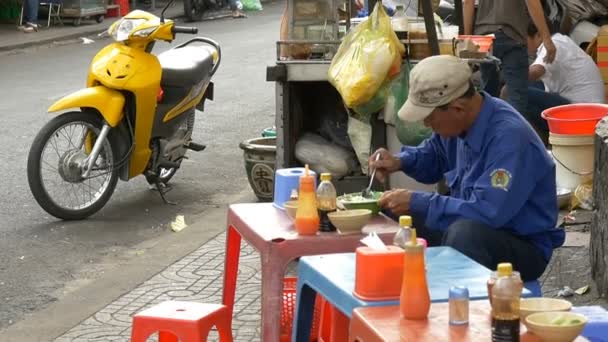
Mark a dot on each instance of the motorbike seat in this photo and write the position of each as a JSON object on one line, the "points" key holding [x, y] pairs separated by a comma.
{"points": [[185, 66]]}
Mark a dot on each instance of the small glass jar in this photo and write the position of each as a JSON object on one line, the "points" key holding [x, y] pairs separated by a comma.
{"points": [[459, 305]]}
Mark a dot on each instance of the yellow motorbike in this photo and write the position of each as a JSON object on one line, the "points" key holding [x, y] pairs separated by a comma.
{"points": [[135, 117]]}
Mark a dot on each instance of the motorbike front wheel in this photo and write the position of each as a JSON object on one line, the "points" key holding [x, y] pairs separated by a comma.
{"points": [[55, 166]]}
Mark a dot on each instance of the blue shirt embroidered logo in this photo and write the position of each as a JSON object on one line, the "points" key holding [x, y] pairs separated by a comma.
{"points": [[500, 178]]}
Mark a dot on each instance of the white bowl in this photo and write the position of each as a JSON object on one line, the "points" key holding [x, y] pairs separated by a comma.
{"points": [[546, 325], [350, 221]]}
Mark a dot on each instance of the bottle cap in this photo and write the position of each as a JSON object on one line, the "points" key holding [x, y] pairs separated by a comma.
{"points": [[504, 269], [307, 182], [405, 221], [459, 292], [326, 176]]}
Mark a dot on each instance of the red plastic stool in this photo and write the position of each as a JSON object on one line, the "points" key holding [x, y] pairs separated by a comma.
{"points": [[186, 321], [334, 324]]}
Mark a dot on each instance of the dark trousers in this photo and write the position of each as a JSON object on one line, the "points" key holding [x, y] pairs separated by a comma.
{"points": [[30, 11], [538, 101], [514, 58], [488, 246]]}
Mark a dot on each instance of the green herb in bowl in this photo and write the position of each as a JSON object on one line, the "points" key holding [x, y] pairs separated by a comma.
{"points": [[356, 201]]}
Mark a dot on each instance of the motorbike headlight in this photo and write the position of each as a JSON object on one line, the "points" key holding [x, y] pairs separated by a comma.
{"points": [[123, 30], [144, 32]]}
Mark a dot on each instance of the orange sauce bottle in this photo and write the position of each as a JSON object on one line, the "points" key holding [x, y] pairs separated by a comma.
{"points": [[307, 217], [415, 301]]}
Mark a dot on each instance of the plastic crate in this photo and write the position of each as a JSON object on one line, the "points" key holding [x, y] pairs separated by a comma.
{"points": [[289, 306]]}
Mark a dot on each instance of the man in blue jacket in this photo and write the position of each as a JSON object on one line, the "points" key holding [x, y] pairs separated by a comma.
{"points": [[502, 205]]}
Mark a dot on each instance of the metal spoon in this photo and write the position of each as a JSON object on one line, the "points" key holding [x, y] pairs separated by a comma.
{"points": [[367, 193]]}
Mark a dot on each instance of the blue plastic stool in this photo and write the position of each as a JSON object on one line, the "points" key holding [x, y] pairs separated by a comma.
{"points": [[596, 329], [534, 288], [286, 180]]}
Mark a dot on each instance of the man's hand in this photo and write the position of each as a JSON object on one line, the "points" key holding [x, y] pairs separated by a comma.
{"points": [[386, 165], [397, 201], [551, 50]]}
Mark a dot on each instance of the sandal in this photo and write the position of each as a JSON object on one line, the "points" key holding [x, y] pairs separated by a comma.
{"points": [[238, 15]]}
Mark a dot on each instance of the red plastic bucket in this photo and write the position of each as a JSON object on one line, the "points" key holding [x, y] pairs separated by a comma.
{"points": [[577, 119]]}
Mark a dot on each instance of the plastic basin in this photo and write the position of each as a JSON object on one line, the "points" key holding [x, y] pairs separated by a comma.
{"points": [[484, 42], [579, 119]]}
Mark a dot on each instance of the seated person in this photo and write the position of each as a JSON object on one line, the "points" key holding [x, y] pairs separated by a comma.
{"points": [[502, 205], [572, 78]]}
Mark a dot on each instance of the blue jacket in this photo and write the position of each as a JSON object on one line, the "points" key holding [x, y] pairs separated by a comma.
{"points": [[499, 173]]}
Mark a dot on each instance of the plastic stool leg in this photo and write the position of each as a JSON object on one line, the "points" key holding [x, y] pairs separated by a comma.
{"points": [[324, 322], [165, 336], [339, 326], [224, 326], [233, 250], [305, 302]]}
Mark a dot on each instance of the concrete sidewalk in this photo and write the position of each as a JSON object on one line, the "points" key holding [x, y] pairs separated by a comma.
{"points": [[11, 38]]}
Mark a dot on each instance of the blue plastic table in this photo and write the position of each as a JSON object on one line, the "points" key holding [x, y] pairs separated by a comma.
{"points": [[333, 277]]}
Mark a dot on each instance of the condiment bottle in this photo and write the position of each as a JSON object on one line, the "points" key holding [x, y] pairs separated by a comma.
{"points": [[459, 305], [326, 202], [492, 281], [506, 294], [415, 301], [404, 233], [307, 217]]}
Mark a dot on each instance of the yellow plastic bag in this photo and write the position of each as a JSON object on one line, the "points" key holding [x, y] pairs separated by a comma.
{"points": [[369, 55]]}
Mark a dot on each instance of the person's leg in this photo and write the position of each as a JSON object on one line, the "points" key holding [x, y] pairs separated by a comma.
{"points": [[538, 101], [236, 13], [489, 247], [515, 71], [30, 12], [490, 79]]}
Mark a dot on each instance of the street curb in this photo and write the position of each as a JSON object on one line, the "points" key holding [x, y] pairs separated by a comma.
{"points": [[50, 40]]}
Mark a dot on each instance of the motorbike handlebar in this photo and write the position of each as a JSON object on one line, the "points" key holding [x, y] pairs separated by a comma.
{"points": [[184, 29]]}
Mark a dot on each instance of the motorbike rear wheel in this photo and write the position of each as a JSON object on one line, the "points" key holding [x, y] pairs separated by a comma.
{"points": [[55, 166]]}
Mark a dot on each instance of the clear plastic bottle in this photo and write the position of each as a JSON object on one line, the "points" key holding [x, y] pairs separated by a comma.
{"points": [[506, 294], [459, 305], [415, 300], [307, 217], [404, 233], [399, 22], [326, 202]]}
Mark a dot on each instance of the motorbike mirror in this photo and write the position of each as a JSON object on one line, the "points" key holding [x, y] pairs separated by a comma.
{"points": [[162, 14]]}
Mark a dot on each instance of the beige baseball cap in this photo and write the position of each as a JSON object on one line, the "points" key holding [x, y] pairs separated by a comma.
{"points": [[435, 81]]}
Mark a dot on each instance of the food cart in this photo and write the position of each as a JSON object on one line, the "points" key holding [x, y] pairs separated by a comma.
{"points": [[304, 97], [79, 9]]}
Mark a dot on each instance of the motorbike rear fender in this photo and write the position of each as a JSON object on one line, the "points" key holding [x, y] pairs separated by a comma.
{"points": [[108, 102]]}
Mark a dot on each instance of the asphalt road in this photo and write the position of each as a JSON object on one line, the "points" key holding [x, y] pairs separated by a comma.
{"points": [[43, 259]]}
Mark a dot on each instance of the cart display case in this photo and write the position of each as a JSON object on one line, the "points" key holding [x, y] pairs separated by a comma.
{"points": [[79, 9], [303, 95]]}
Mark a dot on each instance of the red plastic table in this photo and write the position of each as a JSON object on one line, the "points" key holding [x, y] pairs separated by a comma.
{"points": [[379, 324], [271, 232]]}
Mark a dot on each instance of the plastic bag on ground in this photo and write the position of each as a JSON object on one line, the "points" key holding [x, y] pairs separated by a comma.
{"points": [[251, 5], [322, 156], [583, 196], [368, 56]]}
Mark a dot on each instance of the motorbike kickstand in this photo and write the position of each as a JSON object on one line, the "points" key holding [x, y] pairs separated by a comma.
{"points": [[161, 190]]}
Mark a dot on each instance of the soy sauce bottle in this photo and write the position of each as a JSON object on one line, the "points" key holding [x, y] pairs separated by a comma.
{"points": [[506, 294], [326, 202]]}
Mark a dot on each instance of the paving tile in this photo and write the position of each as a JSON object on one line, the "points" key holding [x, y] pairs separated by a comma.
{"points": [[196, 277]]}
